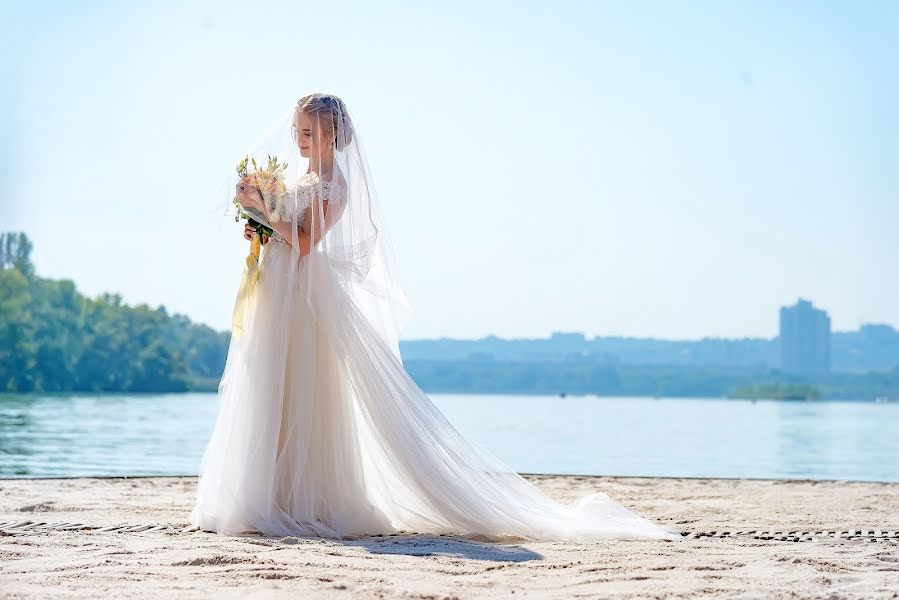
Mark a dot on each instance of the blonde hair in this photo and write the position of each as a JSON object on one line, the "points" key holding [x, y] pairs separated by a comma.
{"points": [[332, 117]]}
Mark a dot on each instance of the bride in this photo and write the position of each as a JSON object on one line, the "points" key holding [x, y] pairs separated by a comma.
{"points": [[320, 429]]}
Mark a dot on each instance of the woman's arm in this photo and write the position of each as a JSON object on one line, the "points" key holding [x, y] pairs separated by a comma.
{"points": [[249, 195], [304, 238]]}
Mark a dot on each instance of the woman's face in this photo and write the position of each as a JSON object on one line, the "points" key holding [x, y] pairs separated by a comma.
{"points": [[306, 134]]}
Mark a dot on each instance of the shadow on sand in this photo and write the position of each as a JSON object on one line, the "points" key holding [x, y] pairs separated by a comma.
{"points": [[443, 545]]}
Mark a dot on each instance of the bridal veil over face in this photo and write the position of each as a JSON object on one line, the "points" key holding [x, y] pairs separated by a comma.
{"points": [[320, 430], [323, 151]]}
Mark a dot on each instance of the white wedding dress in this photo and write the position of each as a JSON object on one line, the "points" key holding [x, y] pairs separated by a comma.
{"points": [[348, 445]]}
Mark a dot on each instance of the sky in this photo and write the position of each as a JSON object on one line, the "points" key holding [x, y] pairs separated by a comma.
{"points": [[675, 170]]}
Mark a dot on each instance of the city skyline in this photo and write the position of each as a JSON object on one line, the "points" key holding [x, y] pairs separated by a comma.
{"points": [[555, 332]]}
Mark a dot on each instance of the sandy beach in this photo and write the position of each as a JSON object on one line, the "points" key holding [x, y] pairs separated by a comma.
{"points": [[83, 562]]}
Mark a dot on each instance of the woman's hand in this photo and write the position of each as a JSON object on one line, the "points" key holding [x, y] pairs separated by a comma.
{"points": [[248, 194], [249, 232]]}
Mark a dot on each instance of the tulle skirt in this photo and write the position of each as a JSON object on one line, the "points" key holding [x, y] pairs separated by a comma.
{"points": [[322, 432]]}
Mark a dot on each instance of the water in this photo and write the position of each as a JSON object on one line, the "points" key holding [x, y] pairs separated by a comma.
{"points": [[52, 436]]}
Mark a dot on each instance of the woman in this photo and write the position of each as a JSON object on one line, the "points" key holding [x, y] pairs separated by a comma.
{"points": [[320, 430]]}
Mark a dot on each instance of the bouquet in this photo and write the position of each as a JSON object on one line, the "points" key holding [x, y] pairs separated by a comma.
{"points": [[269, 182]]}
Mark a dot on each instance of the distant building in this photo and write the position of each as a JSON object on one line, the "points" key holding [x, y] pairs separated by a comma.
{"points": [[804, 339], [575, 338]]}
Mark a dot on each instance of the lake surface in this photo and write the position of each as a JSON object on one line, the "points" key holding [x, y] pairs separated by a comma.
{"points": [[76, 435]]}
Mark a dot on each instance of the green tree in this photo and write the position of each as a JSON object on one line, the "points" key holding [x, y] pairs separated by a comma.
{"points": [[15, 253], [18, 350]]}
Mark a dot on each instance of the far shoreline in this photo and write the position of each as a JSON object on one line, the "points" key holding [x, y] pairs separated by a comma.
{"points": [[580, 476], [562, 395]]}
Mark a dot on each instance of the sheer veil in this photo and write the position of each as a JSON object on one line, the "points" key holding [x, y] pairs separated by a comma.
{"points": [[354, 246], [320, 427]]}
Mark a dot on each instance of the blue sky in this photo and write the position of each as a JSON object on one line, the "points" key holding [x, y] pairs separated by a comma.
{"points": [[666, 169]]}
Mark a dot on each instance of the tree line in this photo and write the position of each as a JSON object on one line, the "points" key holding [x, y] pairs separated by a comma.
{"points": [[55, 339]]}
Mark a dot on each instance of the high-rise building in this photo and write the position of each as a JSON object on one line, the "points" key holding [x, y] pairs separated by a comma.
{"points": [[804, 339]]}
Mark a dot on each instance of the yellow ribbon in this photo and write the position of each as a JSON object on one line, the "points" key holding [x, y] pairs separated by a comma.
{"points": [[247, 285]]}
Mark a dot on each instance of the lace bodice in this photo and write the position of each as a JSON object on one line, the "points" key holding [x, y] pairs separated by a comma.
{"points": [[298, 198]]}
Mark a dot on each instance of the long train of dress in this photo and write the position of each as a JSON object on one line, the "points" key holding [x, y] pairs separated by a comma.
{"points": [[334, 438]]}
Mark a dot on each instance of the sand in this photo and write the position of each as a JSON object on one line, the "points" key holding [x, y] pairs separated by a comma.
{"points": [[164, 564]]}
